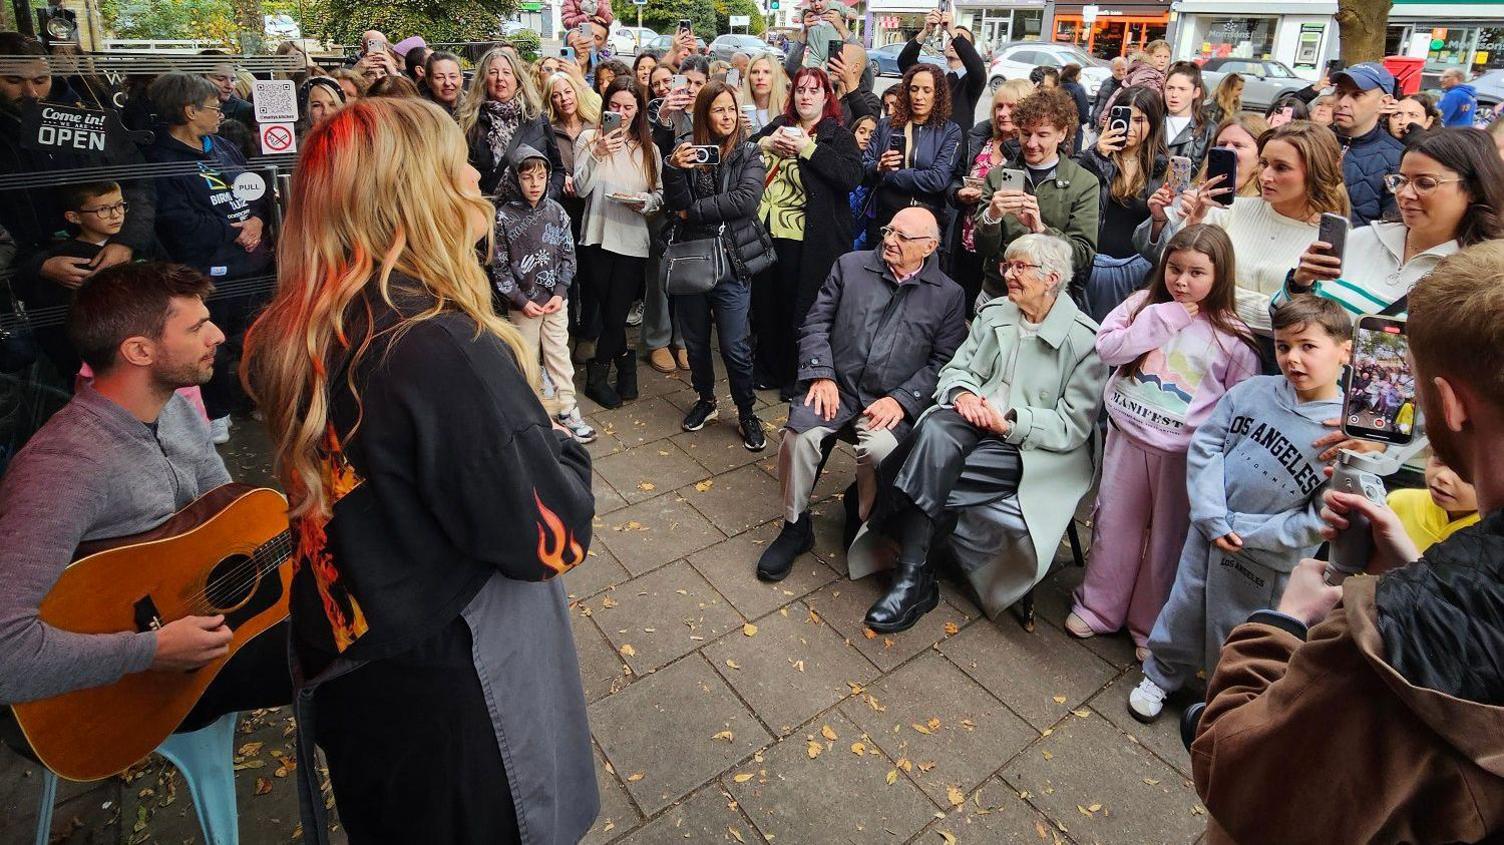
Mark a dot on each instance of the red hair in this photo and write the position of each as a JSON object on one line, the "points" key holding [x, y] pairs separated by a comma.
{"points": [[832, 104]]}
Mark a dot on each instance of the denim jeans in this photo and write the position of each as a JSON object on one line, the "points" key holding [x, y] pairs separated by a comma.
{"points": [[730, 302]]}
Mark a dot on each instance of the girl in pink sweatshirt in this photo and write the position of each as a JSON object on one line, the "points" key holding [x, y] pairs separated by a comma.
{"points": [[1177, 347]]}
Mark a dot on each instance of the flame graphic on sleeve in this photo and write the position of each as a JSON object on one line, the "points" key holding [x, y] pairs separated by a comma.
{"points": [[557, 548]]}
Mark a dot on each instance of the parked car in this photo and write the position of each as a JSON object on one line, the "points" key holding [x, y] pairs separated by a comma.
{"points": [[886, 59], [1015, 59], [1264, 82], [658, 46], [1490, 88], [627, 40], [726, 46]]}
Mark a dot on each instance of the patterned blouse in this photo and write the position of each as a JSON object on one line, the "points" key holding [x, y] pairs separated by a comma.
{"points": [[782, 205]]}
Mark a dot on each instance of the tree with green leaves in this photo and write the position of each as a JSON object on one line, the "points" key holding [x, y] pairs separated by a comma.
{"points": [[663, 16], [724, 9], [342, 21]]}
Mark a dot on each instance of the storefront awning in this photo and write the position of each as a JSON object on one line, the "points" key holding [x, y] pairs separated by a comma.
{"points": [[1243, 8]]}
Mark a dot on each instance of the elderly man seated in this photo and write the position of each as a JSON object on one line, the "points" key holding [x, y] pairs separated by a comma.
{"points": [[1018, 407], [882, 326]]}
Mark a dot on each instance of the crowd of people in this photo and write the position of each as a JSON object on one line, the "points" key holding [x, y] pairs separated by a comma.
{"points": [[1128, 295]]}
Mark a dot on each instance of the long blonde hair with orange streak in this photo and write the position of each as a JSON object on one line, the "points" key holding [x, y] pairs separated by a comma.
{"points": [[381, 187]]}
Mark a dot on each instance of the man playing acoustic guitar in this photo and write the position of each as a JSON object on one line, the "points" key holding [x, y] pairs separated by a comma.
{"points": [[121, 458]]}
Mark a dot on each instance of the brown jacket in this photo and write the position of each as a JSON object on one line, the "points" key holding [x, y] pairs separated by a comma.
{"points": [[1323, 741]]}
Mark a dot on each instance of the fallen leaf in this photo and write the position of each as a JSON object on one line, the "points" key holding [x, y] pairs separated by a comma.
{"points": [[829, 733], [858, 748], [892, 776], [951, 629], [889, 642], [743, 777], [249, 764], [1042, 831], [1083, 811], [704, 485], [609, 602], [628, 651], [924, 767], [1151, 781], [635, 777], [735, 834], [1081, 714], [869, 633], [749, 629], [732, 664], [933, 724], [955, 796], [813, 749], [797, 664], [921, 728], [1047, 755], [1094, 807], [903, 763], [725, 735], [250, 748], [950, 838], [647, 487], [1059, 699]]}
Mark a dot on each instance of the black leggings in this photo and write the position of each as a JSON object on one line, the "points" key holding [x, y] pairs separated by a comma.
{"points": [[613, 281], [775, 314]]}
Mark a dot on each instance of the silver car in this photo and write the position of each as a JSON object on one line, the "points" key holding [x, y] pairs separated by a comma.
{"points": [[1264, 82], [1015, 59]]}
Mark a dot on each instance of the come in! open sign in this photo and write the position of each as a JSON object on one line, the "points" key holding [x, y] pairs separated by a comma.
{"points": [[52, 128]]}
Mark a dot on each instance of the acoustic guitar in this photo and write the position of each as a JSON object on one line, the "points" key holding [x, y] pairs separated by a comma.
{"points": [[228, 552]]}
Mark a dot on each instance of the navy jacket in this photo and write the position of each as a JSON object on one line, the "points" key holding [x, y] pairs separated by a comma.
{"points": [[933, 157], [1366, 160], [195, 211]]}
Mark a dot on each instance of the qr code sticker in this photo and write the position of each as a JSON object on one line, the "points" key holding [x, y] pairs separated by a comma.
{"points": [[275, 101]]}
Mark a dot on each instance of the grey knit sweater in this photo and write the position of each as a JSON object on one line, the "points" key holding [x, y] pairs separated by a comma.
{"points": [[93, 472]]}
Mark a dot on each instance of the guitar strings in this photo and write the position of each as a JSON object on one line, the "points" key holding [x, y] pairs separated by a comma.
{"points": [[244, 575]]}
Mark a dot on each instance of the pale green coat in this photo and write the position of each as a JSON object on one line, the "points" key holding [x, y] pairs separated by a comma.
{"points": [[1053, 403]]}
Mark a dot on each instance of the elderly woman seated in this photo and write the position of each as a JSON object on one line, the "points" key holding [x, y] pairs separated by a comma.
{"points": [[1007, 453]]}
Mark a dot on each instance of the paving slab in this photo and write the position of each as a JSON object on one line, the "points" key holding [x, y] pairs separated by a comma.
{"points": [[660, 733], [617, 814], [835, 797], [994, 814], [1105, 788], [602, 670], [737, 500], [643, 472], [1041, 676], [662, 616], [709, 815], [606, 497], [604, 444], [1052, 602], [731, 567], [718, 446], [601, 570], [844, 605], [649, 534], [792, 667], [954, 732], [642, 421], [1163, 736]]}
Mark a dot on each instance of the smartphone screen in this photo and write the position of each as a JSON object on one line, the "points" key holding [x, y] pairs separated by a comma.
{"points": [[1379, 402], [1333, 230], [1121, 118], [1222, 161]]}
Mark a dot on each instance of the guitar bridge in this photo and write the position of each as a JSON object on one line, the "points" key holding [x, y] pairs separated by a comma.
{"points": [[147, 617]]}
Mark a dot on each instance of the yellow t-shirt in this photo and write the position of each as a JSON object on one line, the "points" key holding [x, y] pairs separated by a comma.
{"points": [[1425, 522]]}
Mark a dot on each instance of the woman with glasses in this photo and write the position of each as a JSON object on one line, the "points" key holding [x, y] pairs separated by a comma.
{"points": [[206, 224], [999, 465], [1450, 193], [813, 165]]}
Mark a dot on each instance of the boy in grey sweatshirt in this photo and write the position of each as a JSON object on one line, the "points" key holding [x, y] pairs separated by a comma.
{"points": [[1253, 475]]}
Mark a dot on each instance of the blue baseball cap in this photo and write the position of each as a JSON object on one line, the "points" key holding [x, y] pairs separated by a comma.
{"points": [[1367, 76]]}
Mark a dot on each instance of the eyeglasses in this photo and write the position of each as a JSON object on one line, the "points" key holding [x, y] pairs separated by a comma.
{"points": [[1017, 267], [216, 107], [1423, 185], [117, 210], [906, 238]]}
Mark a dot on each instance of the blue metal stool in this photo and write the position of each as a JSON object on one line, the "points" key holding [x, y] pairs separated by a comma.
{"points": [[204, 758]]}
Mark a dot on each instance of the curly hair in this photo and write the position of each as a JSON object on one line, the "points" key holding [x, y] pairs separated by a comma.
{"points": [[1048, 105], [941, 110]]}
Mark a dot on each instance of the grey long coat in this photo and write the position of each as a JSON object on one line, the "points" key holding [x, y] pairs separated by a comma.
{"points": [[876, 338]]}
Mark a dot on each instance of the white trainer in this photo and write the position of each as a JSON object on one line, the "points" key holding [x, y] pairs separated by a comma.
{"points": [[219, 430], [1146, 701], [577, 426]]}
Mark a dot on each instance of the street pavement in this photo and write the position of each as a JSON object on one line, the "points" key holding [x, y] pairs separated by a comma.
{"points": [[727, 710]]}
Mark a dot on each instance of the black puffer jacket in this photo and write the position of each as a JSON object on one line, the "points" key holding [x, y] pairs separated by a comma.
{"points": [[739, 184], [536, 133], [1442, 617]]}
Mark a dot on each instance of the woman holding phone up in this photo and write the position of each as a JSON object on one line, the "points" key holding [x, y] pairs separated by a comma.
{"points": [[914, 150], [617, 171], [719, 201]]}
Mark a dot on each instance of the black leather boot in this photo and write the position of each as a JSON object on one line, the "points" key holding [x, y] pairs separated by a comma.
{"points": [[626, 375], [795, 539], [598, 384], [913, 594]]}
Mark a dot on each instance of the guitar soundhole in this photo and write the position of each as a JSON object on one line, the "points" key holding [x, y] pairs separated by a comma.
{"points": [[231, 582]]}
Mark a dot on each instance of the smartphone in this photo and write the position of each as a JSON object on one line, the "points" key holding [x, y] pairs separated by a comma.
{"points": [[944, 6], [1121, 117], [678, 81], [707, 154], [898, 143], [792, 130], [1378, 400], [733, 78], [833, 48], [610, 122], [374, 44], [1013, 180], [1180, 172], [1222, 161], [563, 52], [1281, 117], [1333, 230], [684, 25], [973, 182], [585, 32], [1333, 66]]}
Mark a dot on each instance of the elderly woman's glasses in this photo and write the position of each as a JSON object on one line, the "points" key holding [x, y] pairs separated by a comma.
{"points": [[1017, 267], [904, 237], [1423, 184]]}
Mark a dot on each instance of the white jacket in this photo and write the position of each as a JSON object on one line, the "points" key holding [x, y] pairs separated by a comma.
{"points": [[1374, 272]]}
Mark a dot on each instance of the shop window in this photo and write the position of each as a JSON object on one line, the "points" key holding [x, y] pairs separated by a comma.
{"points": [[1243, 38]]}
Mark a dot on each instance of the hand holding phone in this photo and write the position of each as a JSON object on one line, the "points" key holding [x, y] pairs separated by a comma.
{"points": [[1222, 161], [610, 122], [1180, 172], [1379, 398], [1333, 233]]}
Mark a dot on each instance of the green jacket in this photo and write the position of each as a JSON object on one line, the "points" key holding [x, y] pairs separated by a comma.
{"points": [[1070, 205]]}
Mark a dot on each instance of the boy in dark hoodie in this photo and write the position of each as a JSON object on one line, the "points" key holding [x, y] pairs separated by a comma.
{"points": [[1254, 474], [531, 270]]}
